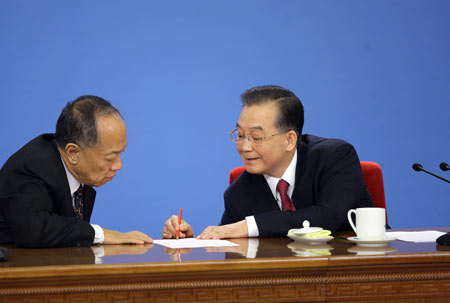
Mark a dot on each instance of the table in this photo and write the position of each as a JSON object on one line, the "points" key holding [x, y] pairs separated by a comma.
{"points": [[282, 271]]}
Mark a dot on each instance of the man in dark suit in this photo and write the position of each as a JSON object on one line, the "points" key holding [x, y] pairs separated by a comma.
{"points": [[46, 194], [289, 178]]}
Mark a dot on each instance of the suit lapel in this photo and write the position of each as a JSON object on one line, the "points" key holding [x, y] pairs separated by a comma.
{"points": [[264, 198], [66, 207], [89, 198], [302, 151]]}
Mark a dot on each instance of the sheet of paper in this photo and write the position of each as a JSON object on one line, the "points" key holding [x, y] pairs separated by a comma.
{"points": [[416, 236], [193, 243]]}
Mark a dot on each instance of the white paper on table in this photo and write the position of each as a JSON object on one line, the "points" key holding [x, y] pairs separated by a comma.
{"points": [[416, 236], [193, 243]]}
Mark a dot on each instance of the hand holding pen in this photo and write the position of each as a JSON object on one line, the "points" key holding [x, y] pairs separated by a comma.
{"points": [[175, 226]]}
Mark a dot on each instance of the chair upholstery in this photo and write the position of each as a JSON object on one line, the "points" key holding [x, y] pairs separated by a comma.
{"points": [[371, 173], [374, 181], [235, 172]]}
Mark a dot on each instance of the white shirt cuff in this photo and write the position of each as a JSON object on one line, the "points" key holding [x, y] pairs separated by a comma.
{"points": [[253, 231], [99, 234]]}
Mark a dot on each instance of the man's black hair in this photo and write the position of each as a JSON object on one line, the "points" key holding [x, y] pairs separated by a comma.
{"points": [[78, 121]]}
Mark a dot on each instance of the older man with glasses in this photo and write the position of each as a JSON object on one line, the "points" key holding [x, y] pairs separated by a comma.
{"points": [[288, 178]]}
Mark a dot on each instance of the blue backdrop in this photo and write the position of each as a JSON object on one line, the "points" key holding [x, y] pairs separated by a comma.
{"points": [[375, 73]]}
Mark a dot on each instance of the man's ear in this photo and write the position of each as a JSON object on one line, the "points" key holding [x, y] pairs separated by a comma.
{"points": [[72, 152], [291, 139]]}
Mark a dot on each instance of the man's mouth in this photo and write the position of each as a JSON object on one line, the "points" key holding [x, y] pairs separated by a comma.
{"points": [[251, 159]]}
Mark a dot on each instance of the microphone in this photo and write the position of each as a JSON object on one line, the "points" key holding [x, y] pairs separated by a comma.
{"points": [[418, 167], [444, 166], [4, 254], [445, 238]]}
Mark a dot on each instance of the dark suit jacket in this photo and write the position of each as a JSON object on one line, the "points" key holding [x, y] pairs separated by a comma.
{"points": [[328, 182], [35, 201]]}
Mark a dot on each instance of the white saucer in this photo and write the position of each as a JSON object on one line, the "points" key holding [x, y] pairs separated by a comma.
{"points": [[372, 243], [310, 241]]}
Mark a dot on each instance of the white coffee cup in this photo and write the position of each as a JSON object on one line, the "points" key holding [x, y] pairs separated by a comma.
{"points": [[370, 223]]}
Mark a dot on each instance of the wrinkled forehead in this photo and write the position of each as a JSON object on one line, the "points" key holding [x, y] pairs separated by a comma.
{"points": [[258, 117]]}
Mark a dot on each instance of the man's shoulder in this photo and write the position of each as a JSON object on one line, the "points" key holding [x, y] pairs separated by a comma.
{"points": [[245, 181], [318, 145], [314, 149], [316, 142], [44, 143], [36, 153]]}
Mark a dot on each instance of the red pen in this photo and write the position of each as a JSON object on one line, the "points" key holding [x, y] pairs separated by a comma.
{"points": [[179, 223]]}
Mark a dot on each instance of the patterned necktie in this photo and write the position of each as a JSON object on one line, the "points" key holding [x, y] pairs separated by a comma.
{"points": [[286, 203], [78, 202]]}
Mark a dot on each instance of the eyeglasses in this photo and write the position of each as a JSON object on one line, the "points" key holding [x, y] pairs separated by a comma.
{"points": [[238, 138]]}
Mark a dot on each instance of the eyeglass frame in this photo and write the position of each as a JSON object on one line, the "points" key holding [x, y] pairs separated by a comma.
{"points": [[252, 140]]}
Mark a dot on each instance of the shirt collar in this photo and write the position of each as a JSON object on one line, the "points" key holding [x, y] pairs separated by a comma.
{"points": [[73, 183], [288, 175]]}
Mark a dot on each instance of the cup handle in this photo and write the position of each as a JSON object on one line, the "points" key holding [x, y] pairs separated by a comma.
{"points": [[350, 220]]}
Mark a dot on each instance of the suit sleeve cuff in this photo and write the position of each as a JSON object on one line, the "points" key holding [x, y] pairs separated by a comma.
{"points": [[99, 237], [253, 231]]}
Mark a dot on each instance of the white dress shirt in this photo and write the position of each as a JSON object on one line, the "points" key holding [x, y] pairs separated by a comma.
{"points": [[74, 185], [289, 176]]}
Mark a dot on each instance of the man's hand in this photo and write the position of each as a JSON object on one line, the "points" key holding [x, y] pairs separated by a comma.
{"points": [[233, 230], [170, 228], [132, 237]]}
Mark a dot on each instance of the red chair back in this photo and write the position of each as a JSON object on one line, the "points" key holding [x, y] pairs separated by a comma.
{"points": [[371, 173], [235, 172], [374, 181]]}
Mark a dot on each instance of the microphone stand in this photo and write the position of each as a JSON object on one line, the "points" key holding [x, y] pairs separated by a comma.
{"points": [[445, 238], [418, 167]]}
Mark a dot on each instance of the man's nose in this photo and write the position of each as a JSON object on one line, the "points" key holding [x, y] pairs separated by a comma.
{"points": [[247, 144], [117, 164]]}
